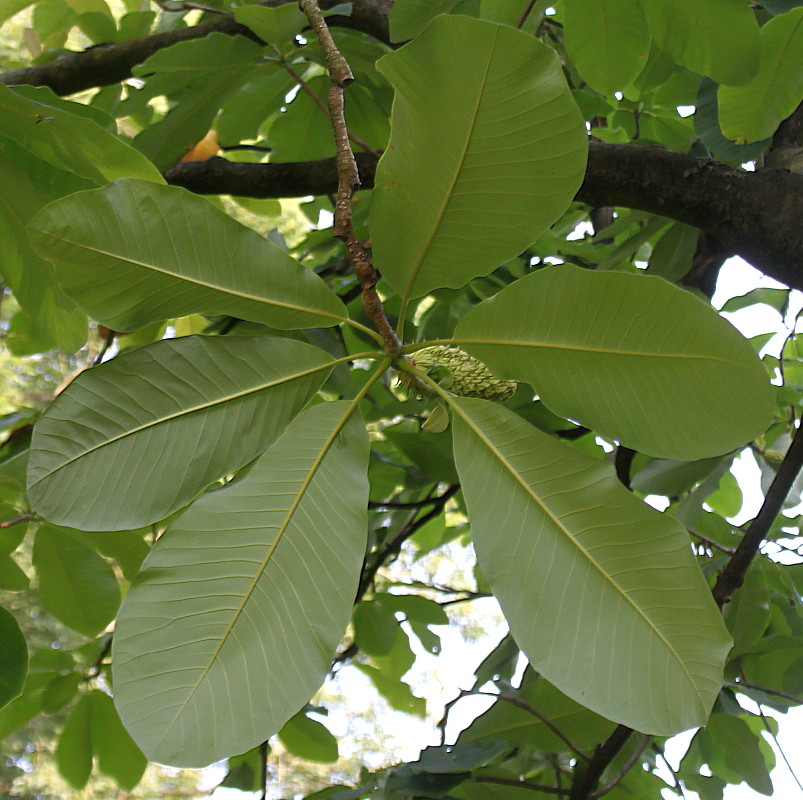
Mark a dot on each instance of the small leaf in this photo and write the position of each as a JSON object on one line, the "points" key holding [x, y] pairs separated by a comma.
{"points": [[307, 738], [467, 203], [739, 748], [118, 756], [75, 584], [13, 658], [375, 628], [245, 597], [679, 382], [74, 748], [104, 456], [134, 253]]}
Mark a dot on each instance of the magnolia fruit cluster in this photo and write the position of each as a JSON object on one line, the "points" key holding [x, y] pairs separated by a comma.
{"points": [[459, 373]]}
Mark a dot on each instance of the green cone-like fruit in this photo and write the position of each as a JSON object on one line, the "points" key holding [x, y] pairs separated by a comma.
{"points": [[457, 371]]}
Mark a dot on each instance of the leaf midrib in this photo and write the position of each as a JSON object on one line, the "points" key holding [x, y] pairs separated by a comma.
{"points": [[586, 349], [459, 168], [280, 531], [466, 417], [182, 413], [195, 281]]}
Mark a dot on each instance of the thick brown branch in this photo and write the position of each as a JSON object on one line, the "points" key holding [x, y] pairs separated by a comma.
{"points": [[106, 64], [732, 576], [753, 214]]}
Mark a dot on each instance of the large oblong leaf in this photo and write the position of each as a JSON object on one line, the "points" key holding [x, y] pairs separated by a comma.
{"points": [[130, 441], [13, 658], [601, 592], [630, 356], [487, 150], [133, 253], [231, 625]]}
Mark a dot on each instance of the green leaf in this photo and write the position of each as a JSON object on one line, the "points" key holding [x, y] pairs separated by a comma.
{"points": [[672, 478], [480, 161], [571, 555], [774, 298], [679, 382], [245, 597], [753, 111], [408, 18], [303, 132], [60, 691], [458, 757], [307, 738], [375, 628], [739, 748], [13, 658], [214, 67], [398, 694], [672, 255], [718, 38], [516, 726], [75, 584], [608, 42], [12, 578], [275, 26], [32, 279], [8, 8], [706, 126], [133, 253], [415, 607], [70, 141], [74, 749], [130, 441], [245, 772], [117, 753], [23, 708], [747, 615], [127, 548]]}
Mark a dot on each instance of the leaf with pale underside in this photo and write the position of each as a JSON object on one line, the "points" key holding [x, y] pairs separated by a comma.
{"points": [[600, 591], [231, 626], [133, 253], [131, 441], [632, 357], [480, 162]]}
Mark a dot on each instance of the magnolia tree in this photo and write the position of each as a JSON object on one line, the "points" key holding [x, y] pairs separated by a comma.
{"points": [[505, 336]]}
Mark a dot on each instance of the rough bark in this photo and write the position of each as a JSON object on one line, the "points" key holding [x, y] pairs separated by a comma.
{"points": [[753, 214], [107, 64]]}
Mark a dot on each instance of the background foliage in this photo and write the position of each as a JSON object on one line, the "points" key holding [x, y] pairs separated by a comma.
{"points": [[249, 469]]}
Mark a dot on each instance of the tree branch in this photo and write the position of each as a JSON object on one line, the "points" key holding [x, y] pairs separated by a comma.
{"points": [[106, 64], [732, 576], [348, 179], [586, 779], [752, 214]]}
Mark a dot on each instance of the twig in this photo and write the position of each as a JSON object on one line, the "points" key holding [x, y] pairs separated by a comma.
{"points": [[349, 179], [742, 684], [626, 767], [429, 501], [17, 521], [524, 706], [778, 746], [465, 599], [394, 547], [712, 543], [623, 461], [107, 343], [586, 779], [97, 664], [263, 760], [305, 87], [526, 13], [536, 787], [732, 576]]}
